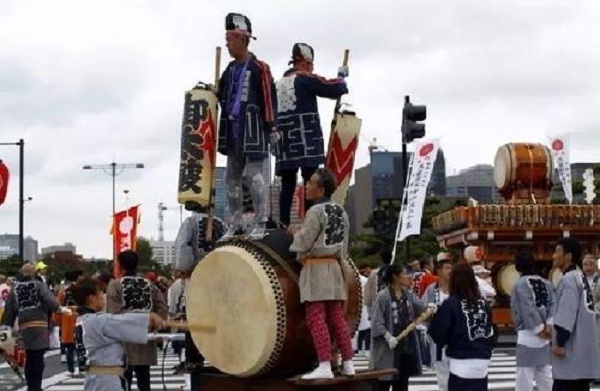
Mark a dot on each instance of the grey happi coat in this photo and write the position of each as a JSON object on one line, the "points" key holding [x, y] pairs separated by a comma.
{"points": [[382, 357], [533, 305], [30, 300], [102, 335], [576, 314], [136, 294], [324, 234]]}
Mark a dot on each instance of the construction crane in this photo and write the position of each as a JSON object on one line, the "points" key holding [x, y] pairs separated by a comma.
{"points": [[161, 218]]}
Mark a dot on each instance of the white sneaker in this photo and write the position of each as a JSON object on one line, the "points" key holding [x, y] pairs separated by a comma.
{"points": [[348, 368], [63, 358], [323, 371]]}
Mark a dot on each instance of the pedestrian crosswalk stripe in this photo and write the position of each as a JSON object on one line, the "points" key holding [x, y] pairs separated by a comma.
{"points": [[501, 376]]}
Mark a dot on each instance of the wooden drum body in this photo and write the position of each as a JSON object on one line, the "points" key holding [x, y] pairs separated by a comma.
{"points": [[522, 170], [248, 291]]}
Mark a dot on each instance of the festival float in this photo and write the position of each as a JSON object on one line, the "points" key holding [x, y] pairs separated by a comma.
{"points": [[525, 221], [243, 304]]}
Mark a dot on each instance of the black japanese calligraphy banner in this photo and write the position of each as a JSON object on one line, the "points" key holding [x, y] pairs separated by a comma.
{"points": [[559, 146], [421, 165], [198, 147]]}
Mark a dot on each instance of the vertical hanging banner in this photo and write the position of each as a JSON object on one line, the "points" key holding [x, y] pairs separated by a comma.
{"points": [[4, 177], [559, 147], [422, 163], [124, 232]]}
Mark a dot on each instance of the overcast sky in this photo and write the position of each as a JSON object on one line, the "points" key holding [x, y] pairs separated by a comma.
{"points": [[86, 82]]}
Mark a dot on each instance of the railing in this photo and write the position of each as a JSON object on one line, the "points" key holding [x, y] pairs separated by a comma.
{"points": [[517, 216]]}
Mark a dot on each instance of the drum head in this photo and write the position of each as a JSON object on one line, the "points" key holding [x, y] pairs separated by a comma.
{"points": [[507, 277], [502, 167], [232, 291]]}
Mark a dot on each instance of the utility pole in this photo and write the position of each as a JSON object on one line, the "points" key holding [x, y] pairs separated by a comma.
{"points": [[21, 145], [113, 169]]}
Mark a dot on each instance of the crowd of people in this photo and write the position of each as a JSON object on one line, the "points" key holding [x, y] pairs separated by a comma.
{"points": [[556, 347]]}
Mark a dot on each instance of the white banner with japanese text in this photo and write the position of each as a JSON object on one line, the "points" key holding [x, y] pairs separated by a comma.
{"points": [[421, 165], [559, 147]]}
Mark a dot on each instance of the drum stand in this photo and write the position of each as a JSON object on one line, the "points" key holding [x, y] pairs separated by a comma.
{"points": [[211, 380]]}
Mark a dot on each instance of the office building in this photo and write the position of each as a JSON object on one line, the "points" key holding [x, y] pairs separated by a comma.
{"points": [[163, 251]]}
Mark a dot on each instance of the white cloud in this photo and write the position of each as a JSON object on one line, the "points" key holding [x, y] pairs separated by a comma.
{"points": [[86, 82]]}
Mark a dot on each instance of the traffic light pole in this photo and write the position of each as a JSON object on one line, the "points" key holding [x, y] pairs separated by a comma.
{"points": [[405, 179]]}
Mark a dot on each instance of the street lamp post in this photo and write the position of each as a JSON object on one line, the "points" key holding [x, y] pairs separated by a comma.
{"points": [[113, 169], [21, 145]]}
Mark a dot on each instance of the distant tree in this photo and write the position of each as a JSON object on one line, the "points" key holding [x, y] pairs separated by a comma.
{"points": [[144, 250], [11, 266]]}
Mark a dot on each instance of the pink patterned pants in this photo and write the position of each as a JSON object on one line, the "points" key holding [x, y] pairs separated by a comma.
{"points": [[318, 315]]}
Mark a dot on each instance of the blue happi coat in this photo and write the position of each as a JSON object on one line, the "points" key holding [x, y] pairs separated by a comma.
{"points": [[258, 108], [301, 144]]}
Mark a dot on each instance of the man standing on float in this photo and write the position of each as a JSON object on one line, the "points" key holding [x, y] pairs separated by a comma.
{"points": [[247, 96], [298, 123]]}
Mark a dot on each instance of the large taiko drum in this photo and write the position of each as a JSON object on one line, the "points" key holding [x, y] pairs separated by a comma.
{"points": [[248, 291], [506, 278], [523, 167]]}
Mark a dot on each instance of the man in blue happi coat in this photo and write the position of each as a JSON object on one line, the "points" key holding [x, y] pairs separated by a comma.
{"points": [[300, 145], [248, 117]]}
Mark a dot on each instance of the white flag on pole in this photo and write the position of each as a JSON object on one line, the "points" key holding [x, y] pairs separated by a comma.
{"points": [[559, 147], [422, 163]]}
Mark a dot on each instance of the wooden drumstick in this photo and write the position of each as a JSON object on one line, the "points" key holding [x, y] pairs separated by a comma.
{"points": [[201, 328], [428, 313]]}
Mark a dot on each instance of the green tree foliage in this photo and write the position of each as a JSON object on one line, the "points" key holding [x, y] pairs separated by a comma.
{"points": [[364, 248]]}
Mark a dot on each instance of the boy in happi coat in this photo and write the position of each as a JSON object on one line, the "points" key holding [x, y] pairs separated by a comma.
{"points": [[132, 293], [576, 360], [322, 245], [532, 304], [100, 336], [31, 302], [248, 102], [300, 144], [436, 294]]}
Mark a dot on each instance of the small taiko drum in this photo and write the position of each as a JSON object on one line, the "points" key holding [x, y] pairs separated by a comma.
{"points": [[523, 170], [248, 292], [506, 279], [555, 275]]}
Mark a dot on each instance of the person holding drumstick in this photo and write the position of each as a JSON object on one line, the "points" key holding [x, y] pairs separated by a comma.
{"points": [[322, 244]]}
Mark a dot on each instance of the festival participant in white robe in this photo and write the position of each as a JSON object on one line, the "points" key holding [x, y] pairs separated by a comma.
{"points": [[436, 294], [576, 360], [533, 305], [100, 336], [463, 325], [322, 245]]}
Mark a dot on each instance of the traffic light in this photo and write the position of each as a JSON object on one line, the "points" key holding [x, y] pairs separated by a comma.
{"points": [[411, 129]]}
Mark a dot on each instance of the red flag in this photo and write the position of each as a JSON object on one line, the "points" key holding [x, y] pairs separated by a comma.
{"points": [[124, 233], [4, 176]]}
